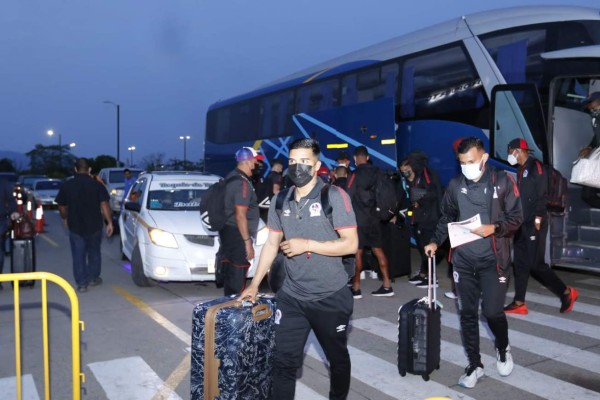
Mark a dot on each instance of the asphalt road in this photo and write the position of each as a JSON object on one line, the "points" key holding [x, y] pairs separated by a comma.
{"points": [[136, 342]]}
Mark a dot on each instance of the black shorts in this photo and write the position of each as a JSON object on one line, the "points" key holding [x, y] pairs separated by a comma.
{"points": [[233, 247], [370, 235]]}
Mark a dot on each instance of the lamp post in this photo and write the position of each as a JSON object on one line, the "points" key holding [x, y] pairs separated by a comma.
{"points": [[118, 129], [185, 139], [51, 133], [131, 149]]}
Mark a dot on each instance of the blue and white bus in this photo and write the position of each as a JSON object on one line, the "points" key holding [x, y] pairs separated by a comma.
{"points": [[516, 72]]}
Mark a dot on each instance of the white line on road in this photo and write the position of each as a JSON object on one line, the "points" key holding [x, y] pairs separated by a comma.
{"points": [[554, 301], [384, 376], [557, 351], [567, 325], [129, 378], [544, 386], [8, 388], [589, 281], [304, 392]]}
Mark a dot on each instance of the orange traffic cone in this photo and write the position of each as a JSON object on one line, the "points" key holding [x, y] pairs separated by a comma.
{"points": [[39, 219]]}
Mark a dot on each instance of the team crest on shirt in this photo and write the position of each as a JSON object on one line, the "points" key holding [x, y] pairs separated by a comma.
{"points": [[315, 209], [525, 173]]}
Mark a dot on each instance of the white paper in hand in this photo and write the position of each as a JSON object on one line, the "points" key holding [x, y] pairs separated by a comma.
{"points": [[460, 232]]}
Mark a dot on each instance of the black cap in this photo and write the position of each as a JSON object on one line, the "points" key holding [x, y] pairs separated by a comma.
{"points": [[591, 98], [518, 143], [361, 151], [343, 156]]}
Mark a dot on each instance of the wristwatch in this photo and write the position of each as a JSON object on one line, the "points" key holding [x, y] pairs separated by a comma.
{"points": [[497, 227]]}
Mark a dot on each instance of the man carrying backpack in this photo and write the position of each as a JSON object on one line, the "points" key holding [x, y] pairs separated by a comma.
{"points": [[242, 215], [361, 188], [530, 239], [314, 295]]}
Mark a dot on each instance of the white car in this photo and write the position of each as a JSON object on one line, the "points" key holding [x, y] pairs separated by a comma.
{"points": [[45, 191], [162, 233]]}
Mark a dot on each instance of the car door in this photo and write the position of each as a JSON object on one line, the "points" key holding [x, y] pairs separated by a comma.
{"points": [[130, 217]]}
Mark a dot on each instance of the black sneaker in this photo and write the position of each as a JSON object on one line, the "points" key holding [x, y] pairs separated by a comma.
{"points": [[357, 294], [383, 292], [425, 284], [96, 281], [415, 279]]}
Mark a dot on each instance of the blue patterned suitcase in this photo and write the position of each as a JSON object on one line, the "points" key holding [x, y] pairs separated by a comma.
{"points": [[232, 349]]}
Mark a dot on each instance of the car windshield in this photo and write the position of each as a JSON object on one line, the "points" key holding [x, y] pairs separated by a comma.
{"points": [[175, 199], [47, 185]]}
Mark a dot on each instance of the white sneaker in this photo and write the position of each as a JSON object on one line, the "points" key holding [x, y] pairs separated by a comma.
{"points": [[374, 275], [504, 364], [472, 373], [451, 295], [362, 274]]}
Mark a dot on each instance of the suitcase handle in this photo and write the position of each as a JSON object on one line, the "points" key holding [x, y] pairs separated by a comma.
{"points": [[431, 281], [261, 311]]}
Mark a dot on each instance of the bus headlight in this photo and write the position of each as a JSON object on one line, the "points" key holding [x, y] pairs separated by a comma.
{"points": [[261, 236], [162, 238]]}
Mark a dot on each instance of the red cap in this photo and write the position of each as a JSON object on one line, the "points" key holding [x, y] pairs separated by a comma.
{"points": [[518, 144]]}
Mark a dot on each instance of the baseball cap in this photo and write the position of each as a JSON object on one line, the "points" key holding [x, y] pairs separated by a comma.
{"points": [[518, 144], [247, 153], [592, 97]]}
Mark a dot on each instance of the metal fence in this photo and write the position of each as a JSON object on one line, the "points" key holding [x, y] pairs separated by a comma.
{"points": [[43, 277]]}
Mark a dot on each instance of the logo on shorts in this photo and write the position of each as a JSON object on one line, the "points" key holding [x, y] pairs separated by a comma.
{"points": [[315, 209], [455, 276], [340, 328], [286, 213], [277, 316]]}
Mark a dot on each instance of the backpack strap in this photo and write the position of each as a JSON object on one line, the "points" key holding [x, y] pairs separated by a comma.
{"points": [[326, 205], [426, 175], [351, 181], [281, 197]]}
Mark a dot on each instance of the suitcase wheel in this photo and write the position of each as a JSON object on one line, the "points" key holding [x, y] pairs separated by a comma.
{"points": [[425, 378]]}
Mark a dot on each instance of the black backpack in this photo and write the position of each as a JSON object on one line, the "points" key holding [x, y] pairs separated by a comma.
{"points": [[386, 199], [556, 192], [212, 205], [348, 260]]}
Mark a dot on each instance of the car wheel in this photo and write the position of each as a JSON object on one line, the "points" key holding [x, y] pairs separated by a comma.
{"points": [[137, 269]]}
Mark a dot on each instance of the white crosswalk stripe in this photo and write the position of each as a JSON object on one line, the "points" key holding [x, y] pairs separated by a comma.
{"points": [[590, 281], [551, 321], [8, 388], [305, 392], [525, 379], [384, 376], [555, 302], [128, 378], [547, 348]]}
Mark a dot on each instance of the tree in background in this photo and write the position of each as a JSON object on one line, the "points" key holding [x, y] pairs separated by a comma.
{"points": [[102, 161], [6, 165], [153, 162], [54, 161]]}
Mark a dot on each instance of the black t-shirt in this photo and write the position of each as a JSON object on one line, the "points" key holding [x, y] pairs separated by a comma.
{"points": [[82, 196], [361, 188]]}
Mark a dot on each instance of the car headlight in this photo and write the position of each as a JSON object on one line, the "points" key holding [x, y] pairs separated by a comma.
{"points": [[261, 236], [162, 238]]}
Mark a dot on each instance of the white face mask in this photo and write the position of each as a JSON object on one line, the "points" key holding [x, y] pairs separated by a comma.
{"points": [[472, 171], [512, 159]]}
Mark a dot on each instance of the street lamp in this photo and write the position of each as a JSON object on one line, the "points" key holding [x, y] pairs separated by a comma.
{"points": [[131, 149], [185, 139], [51, 133], [118, 129]]}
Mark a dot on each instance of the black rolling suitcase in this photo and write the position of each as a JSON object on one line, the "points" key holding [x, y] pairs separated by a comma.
{"points": [[419, 327], [22, 249]]}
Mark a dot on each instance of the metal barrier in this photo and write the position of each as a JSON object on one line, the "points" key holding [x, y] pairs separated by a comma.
{"points": [[44, 277]]}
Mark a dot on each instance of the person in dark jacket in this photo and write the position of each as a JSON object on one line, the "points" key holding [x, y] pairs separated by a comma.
{"points": [[481, 266], [425, 194], [530, 239], [8, 212]]}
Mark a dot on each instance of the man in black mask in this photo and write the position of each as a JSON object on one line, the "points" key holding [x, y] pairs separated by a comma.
{"points": [[314, 295]]}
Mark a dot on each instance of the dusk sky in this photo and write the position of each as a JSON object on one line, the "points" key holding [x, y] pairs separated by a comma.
{"points": [[166, 61]]}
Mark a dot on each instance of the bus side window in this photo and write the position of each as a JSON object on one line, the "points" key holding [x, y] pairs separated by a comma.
{"points": [[349, 94]]}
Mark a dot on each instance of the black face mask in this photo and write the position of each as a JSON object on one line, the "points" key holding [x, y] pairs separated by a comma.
{"points": [[300, 174]]}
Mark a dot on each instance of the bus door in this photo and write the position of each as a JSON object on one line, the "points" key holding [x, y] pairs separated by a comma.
{"points": [[369, 124]]}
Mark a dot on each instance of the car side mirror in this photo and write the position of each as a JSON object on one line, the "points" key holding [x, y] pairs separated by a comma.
{"points": [[133, 206]]}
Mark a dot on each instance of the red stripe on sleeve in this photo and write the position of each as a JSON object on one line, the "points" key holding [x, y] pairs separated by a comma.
{"points": [[515, 188], [345, 197]]}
